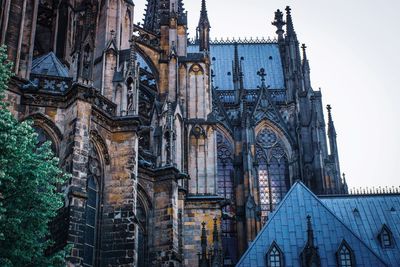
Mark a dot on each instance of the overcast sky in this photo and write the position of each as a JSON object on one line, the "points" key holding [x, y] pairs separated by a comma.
{"points": [[353, 49]]}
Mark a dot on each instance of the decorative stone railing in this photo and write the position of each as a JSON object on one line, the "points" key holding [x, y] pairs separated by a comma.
{"points": [[51, 83], [229, 97]]}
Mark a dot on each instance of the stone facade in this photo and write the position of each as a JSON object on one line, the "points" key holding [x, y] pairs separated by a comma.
{"points": [[160, 133]]}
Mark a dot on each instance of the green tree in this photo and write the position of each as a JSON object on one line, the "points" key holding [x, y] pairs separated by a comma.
{"points": [[28, 196]]}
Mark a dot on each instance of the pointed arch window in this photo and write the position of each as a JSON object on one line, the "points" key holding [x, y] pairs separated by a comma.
{"points": [[385, 237], [345, 255], [274, 256], [226, 190], [273, 171], [91, 209]]}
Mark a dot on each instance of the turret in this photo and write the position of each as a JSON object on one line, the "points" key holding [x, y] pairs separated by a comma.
{"points": [[203, 29]]}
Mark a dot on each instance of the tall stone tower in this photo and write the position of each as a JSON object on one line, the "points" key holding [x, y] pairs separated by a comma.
{"points": [[172, 144]]}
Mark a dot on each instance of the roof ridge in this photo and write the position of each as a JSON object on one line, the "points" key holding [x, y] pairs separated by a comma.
{"points": [[239, 40]]}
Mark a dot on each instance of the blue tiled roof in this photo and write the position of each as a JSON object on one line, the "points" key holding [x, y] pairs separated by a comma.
{"points": [[49, 65], [287, 226], [255, 56], [143, 64], [366, 215]]}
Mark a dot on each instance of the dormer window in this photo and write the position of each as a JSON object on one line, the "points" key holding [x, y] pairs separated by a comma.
{"points": [[385, 237], [345, 256], [274, 256]]}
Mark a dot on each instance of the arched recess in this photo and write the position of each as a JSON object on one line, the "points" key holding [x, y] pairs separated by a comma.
{"points": [[273, 152], [178, 142], [196, 92], [226, 189], [197, 163], [47, 130], [101, 146], [143, 208], [126, 29]]}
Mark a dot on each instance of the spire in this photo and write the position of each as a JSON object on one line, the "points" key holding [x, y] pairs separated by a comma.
{"points": [[279, 23], [344, 185], [309, 255], [306, 69], [237, 71], [331, 126], [303, 47], [216, 256], [289, 24], [203, 255], [203, 14], [203, 29]]}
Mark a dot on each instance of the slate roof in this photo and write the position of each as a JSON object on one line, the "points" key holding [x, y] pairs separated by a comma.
{"points": [[49, 65], [366, 215], [255, 56], [287, 226]]}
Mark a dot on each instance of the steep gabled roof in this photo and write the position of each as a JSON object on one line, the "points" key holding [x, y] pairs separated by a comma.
{"points": [[366, 215], [49, 65], [254, 57], [288, 227]]}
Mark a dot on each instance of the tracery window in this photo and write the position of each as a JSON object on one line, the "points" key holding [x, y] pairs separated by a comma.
{"points": [[91, 210], [274, 256], [273, 171], [345, 256], [226, 190]]}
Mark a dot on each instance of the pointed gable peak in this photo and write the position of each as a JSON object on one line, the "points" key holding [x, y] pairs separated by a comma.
{"points": [[50, 65], [302, 202]]}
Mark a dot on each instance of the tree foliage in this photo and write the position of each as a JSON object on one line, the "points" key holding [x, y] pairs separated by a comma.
{"points": [[28, 196]]}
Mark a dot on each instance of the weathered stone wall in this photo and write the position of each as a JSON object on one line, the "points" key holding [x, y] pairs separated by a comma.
{"points": [[198, 211]]}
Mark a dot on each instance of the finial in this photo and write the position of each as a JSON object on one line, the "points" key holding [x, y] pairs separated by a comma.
{"points": [[215, 232], [279, 23], [329, 108], [112, 32], [303, 47], [288, 10], [262, 75]]}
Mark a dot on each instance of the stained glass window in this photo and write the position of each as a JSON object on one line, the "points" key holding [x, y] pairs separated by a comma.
{"points": [[345, 257], [273, 171], [226, 190]]}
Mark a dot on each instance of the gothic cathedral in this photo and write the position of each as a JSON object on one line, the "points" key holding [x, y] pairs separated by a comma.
{"points": [[178, 149]]}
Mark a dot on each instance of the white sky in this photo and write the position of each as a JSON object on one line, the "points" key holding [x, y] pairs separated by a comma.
{"points": [[353, 49]]}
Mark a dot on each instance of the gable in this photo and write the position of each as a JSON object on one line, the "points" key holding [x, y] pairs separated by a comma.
{"points": [[366, 215], [287, 226]]}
